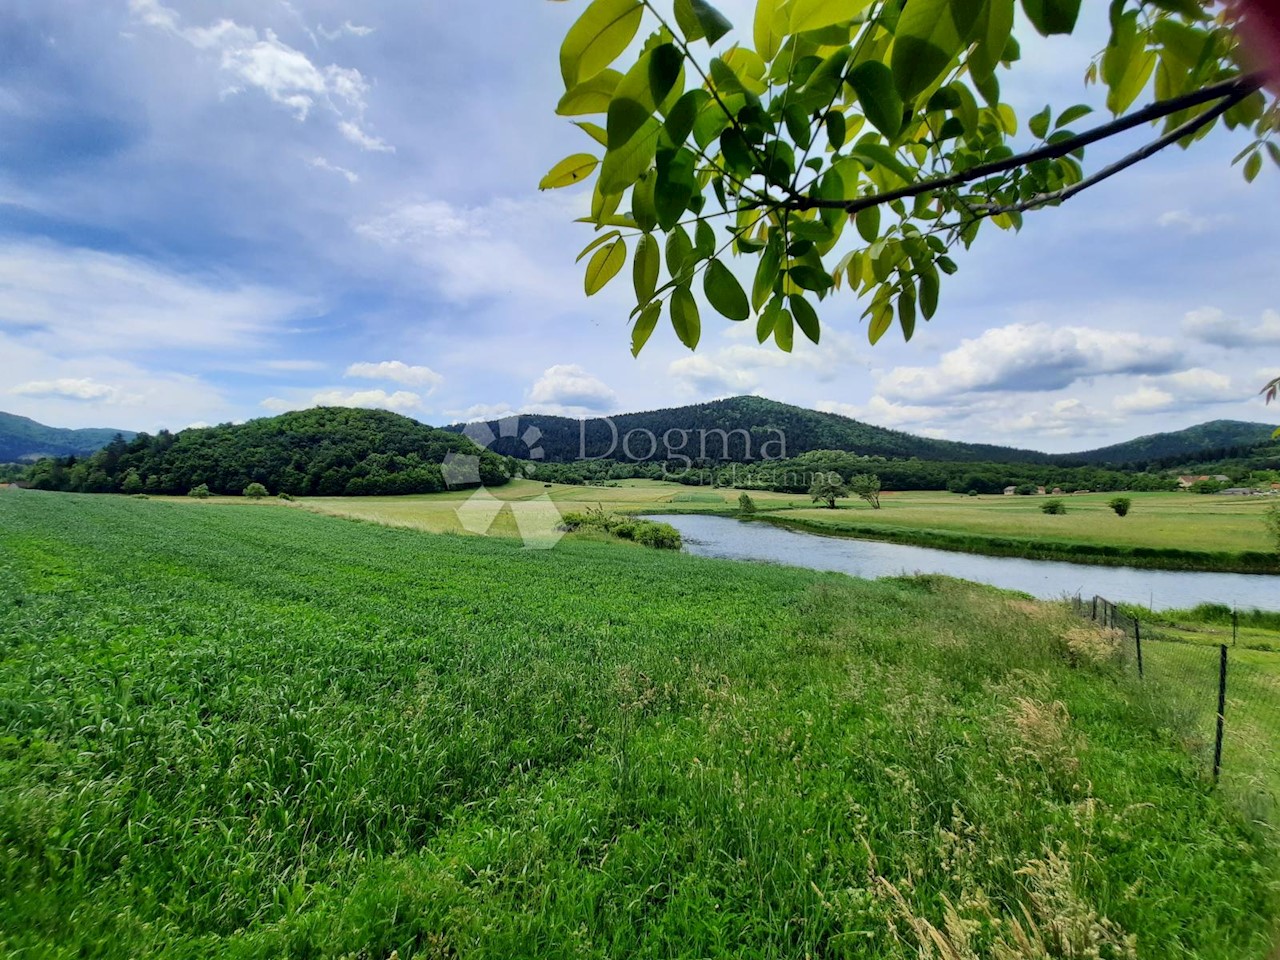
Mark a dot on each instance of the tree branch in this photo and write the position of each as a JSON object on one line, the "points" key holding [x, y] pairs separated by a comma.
{"points": [[1187, 129], [1235, 89]]}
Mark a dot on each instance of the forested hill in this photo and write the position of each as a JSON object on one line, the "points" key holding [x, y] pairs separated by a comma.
{"points": [[1213, 440], [764, 422], [22, 439], [326, 451]]}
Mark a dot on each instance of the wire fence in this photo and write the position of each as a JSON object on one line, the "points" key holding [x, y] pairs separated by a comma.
{"points": [[1222, 685]]}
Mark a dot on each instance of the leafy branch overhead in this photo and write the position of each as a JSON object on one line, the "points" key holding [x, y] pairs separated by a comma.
{"points": [[855, 142]]}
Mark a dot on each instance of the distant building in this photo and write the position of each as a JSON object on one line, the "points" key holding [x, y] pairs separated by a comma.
{"points": [[1221, 479], [1040, 490], [1010, 491], [1057, 491], [1187, 482]]}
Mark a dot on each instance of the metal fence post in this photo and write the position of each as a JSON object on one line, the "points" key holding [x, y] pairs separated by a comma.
{"points": [[1137, 642], [1222, 707]]}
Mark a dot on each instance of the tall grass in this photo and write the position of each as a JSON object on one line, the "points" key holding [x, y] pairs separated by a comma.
{"points": [[265, 733]]}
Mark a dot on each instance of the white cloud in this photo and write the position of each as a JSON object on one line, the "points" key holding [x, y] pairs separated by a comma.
{"points": [[1182, 390], [708, 375], [284, 74], [82, 389], [1189, 222], [1071, 417], [293, 366], [886, 413], [482, 411], [320, 163], [1210, 325], [364, 140], [397, 371], [1032, 358], [1144, 400], [402, 401], [68, 300], [567, 389], [498, 249]]}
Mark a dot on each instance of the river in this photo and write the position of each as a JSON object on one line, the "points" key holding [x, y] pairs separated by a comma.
{"points": [[732, 539]]}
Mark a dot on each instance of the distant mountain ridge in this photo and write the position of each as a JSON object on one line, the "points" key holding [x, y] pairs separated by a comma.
{"points": [[759, 420], [1204, 438], [23, 440]]}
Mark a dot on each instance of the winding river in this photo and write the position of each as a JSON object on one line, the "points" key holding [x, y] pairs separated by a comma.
{"points": [[1159, 589]]}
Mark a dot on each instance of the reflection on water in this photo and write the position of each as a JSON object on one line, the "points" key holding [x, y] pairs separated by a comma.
{"points": [[1047, 579]]}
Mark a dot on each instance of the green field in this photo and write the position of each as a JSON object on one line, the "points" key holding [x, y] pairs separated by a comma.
{"points": [[1169, 530], [261, 732]]}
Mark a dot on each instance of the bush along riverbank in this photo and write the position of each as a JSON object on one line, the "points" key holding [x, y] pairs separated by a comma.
{"points": [[648, 533], [1101, 554]]}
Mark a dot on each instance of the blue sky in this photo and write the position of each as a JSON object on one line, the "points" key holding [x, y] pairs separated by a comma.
{"points": [[212, 211]]}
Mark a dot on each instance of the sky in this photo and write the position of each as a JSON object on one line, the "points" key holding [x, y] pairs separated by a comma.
{"points": [[214, 210]]}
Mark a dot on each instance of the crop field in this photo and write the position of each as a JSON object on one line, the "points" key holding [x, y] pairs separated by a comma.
{"points": [[264, 732]]}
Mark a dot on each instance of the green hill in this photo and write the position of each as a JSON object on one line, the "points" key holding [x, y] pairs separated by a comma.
{"points": [[1206, 440], [751, 428], [25, 440], [325, 451]]}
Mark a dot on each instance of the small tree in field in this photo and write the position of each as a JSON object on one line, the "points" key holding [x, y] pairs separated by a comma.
{"points": [[1053, 507], [1120, 505], [866, 486], [746, 504], [132, 483], [827, 488], [255, 491], [200, 493], [1272, 519]]}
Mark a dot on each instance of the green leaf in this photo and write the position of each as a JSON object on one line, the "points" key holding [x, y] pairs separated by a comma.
{"points": [[907, 309], [816, 14], [1039, 124], [868, 223], [682, 116], [767, 271], [929, 289], [1253, 166], [643, 208], [679, 252], [736, 153], [626, 164], [625, 117], [569, 171], [724, 292], [1052, 16], [878, 155], [604, 265], [644, 270], [806, 317], [684, 317], [768, 318], [1072, 114], [811, 278], [676, 185], [994, 31], [598, 241], [797, 121], [784, 331], [590, 96], [644, 327], [704, 240], [665, 64], [837, 129], [930, 35], [881, 321], [698, 19], [769, 29], [872, 81], [947, 265], [605, 29], [594, 131]]}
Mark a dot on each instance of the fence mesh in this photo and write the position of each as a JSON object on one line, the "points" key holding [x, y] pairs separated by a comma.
{"points": [[1221, 686]]}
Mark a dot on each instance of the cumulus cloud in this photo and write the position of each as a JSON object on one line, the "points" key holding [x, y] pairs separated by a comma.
{"points": [[567, 389], [82, 389], [886, 413], [1031, 358], [1212, 326], [402, 401], [1189, 222], [714, 376], [1071, 417], [285, 75], [397, 371], [1181, 390], [747, 368]]}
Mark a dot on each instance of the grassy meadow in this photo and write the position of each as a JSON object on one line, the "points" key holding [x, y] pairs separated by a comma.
{"points": [[263, 732], [1170, 530]]}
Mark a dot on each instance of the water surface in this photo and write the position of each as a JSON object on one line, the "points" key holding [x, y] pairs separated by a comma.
{"points": [[1048, 579]]}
